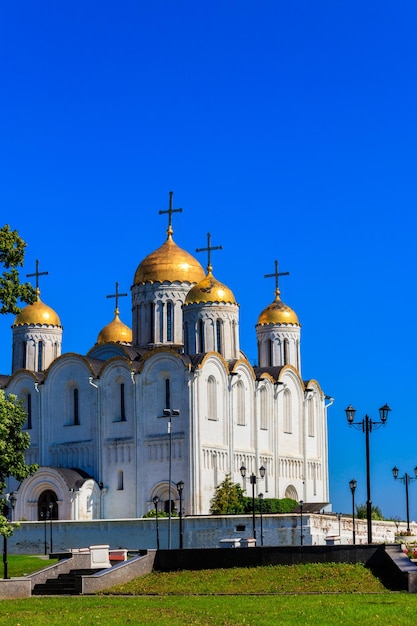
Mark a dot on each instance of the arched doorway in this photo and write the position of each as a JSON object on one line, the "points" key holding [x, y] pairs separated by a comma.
{"points": [[47, 505]]}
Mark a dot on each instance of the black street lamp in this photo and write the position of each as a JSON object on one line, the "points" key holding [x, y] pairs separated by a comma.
{"points": [[253, 480], [406, 479], [367, 425], [261, 498], [6, 511], [169, 413], [50, 509], [155, 501], [180, 487], [301, 522], [352, 485]]}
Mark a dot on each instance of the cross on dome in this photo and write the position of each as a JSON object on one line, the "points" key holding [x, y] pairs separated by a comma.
{"points": [[208, 250], [275, 275], [37, 273], [170, 211], [117, 295]]}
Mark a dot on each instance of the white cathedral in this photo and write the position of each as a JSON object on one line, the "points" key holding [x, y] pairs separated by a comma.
{"points": [[171, 399]]}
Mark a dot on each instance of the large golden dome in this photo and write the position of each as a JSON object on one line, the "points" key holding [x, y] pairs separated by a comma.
{"points": [[36, 314], [278, 313], [115, 332], [169, 263], [210, 290]]}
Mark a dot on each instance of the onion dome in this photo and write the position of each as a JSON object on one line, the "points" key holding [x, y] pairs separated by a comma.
{"points": [[169, 263], [115, 332], [37, 314], [210, 290], [278, 313]]}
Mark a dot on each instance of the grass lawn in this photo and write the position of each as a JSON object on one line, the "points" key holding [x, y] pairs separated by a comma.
{"points": [[311, 594], [20, 565]]}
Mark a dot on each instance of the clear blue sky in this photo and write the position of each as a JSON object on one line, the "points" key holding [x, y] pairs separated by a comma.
{"points": [[285, 128]]}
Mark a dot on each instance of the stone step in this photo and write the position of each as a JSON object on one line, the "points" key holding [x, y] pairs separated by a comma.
{"points": [[63, 584]]}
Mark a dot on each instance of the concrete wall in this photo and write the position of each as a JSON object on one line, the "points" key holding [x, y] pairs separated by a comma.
{"points": [[198, 532]]}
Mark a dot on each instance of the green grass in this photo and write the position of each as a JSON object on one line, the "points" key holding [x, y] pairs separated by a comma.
{"points": [[262, 596], [19, 565], [306, 578]]}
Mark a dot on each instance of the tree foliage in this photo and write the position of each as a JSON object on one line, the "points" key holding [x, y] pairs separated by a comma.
{"points": [[12, 253], [228, 498], [13, 444], [376, 512]]}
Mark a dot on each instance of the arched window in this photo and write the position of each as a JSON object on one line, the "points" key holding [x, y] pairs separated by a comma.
{"points": [[122, 403], [287, 412], [201, 341], [263, 409], [76, 414], [270, 352], [286, 351], [47, 505], [167, 394], [291, 492], [240, 404], [40, 356], [29, 411], [169, 321], [24, 349], [310, 417], [211, 398], [152, 322], [219, 345]]}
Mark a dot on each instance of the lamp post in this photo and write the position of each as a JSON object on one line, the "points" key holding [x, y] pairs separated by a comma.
{"points": [[169, 413], [6, 511], [50, 509], [261, 498], [155, 501], [180, 487], [352, 485], [253, 480], [339, 517], [367, 425], [406, 479], [301, 522]]}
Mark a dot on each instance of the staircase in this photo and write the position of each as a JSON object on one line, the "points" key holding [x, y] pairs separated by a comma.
{"points": [[68, 584]]}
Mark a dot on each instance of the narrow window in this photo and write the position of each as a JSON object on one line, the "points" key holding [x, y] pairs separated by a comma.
{"points": [[122, 403], [40, 356], [29, 410], [286, 350], [211, 398], [240, 403], [169, 321], [76, 408], [167, 394], [201, 336], [120, 480], [152, 322], [219, 336], [186, 341], [287, 412], [310, 417], [270, 352], [161, 322], [263, 409], [24, 348]]}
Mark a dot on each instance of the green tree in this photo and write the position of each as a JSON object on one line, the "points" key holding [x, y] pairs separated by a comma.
{"points": [[12, 254], [13, 444], [228, 498], [376, 512]]}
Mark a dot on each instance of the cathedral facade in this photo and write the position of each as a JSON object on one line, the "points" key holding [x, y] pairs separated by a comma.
{"points": [[171, 399]]}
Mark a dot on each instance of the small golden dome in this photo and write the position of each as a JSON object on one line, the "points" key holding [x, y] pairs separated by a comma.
{"points": [[115, 332], [210, 290], [169, 263], [278, 313], [37, 313]]}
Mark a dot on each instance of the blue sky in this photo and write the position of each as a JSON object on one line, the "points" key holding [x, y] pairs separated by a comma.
{"points": [[285, 128]]}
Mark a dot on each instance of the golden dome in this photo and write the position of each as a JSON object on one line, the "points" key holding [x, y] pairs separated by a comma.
{"points": [[169, 263], [278, 313], [37, 313], [210, 290], [115, 332]]}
